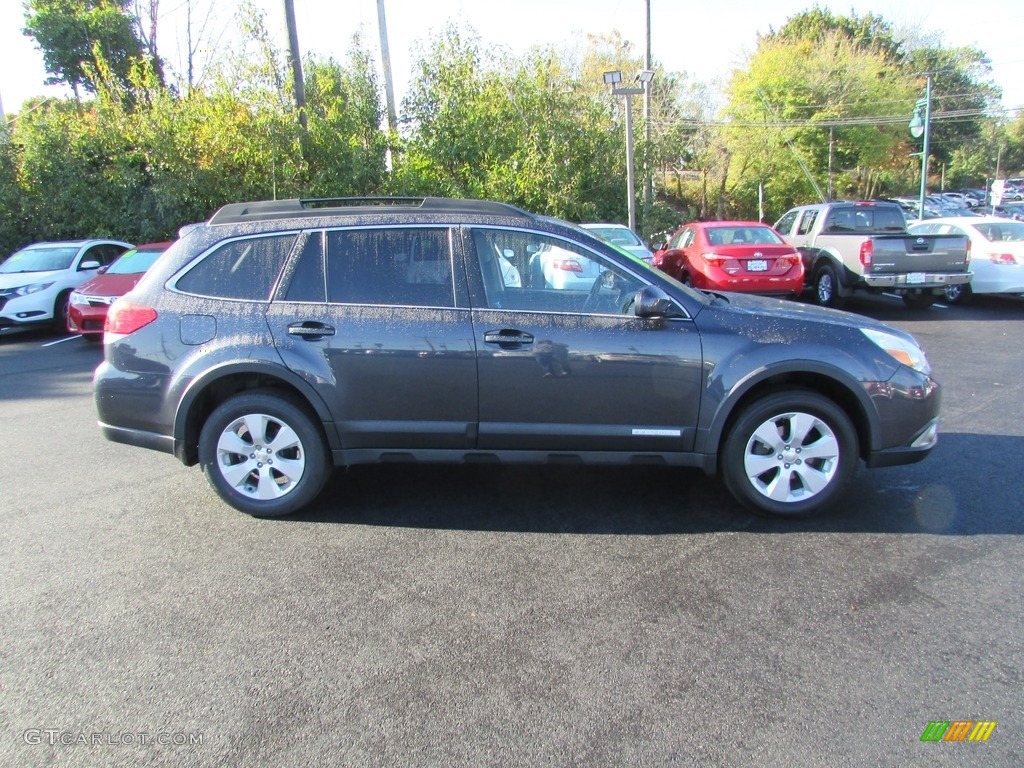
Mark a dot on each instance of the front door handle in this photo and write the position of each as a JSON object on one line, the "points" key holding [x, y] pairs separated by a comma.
{"points": [[508, 338], [310, 330]]}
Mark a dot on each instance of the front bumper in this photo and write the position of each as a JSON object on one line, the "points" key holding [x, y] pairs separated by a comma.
{"points": [[908, 417]]}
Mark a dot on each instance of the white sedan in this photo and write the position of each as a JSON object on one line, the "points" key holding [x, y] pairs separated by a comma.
{"points": [[997, 253]]}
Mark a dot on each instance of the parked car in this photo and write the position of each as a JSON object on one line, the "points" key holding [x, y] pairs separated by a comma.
{"points": [[851, 246], [732, 256], [36, 281], [624, 237], [1015, 212], [88, 305], [997, 253], [283, 337], [562, 269]]}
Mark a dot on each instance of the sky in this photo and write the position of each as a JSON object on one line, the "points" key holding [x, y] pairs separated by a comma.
{"points": [[705, 40]]}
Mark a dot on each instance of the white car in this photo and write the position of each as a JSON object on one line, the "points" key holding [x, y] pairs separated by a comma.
{"points": [[36, 281], [622, 236], [997, 253], [562, 269]]}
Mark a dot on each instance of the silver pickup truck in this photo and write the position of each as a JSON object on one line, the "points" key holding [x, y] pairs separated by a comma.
{"points": [[849, 246]]}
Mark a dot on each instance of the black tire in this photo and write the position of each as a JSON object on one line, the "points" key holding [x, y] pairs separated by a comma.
{"points": [[779, 479], [826, 287], [957, 294], [301, 452], [919, 301], [60, 312]]}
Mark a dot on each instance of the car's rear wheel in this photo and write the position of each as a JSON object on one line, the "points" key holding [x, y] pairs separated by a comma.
{"points": [[826, 287], [789, 454], [263, 454], [957, 294]]}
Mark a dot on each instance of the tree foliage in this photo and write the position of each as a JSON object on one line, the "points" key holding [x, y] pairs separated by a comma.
{"points": [[541, 130], [526, 131], [75, 34]]}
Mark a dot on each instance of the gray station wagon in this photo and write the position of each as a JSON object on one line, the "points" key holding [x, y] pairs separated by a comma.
{"points": [[283, 337]]}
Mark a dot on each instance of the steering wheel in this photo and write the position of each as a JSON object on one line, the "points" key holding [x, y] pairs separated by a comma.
{"points": [[606, 281]]}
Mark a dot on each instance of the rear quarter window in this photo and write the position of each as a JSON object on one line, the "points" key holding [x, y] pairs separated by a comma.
{"points": [[240, 269]]}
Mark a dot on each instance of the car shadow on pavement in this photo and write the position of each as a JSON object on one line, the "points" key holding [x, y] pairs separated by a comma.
{"points": [[944, 495]]}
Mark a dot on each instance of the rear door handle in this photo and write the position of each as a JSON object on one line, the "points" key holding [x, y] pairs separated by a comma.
{"points": [[310, 330]]}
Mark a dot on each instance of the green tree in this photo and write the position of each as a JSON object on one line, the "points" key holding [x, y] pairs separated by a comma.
{"points": [[74, 34], [527, 131], [805, 105]]}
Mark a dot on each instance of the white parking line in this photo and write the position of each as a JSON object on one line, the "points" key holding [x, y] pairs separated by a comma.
{"points": [[61, 341]]}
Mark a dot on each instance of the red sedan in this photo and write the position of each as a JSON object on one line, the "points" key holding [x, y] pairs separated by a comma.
{"points": [[743, 256], [87, 308]]}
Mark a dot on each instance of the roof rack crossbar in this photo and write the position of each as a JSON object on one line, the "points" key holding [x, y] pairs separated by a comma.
{"points": [[297, 207]]}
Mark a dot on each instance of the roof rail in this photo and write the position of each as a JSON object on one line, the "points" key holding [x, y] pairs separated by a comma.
{"points": [[328, 206]]}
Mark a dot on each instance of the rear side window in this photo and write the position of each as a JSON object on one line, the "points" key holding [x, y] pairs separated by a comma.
{"points": [[397, 267], [810, 216], [240, 269]]}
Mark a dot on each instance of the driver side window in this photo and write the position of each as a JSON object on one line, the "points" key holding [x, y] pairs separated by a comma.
{"points": [[550, 275]]}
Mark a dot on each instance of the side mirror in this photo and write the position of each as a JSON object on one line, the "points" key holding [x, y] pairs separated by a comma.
{"points": [[88, 265], [651, 301]]}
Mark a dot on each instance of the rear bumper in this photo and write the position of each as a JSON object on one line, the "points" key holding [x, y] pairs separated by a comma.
{"points": [[924, 280], [138, 438]]}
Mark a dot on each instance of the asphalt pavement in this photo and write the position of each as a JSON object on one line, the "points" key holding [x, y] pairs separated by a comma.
{"points": [[512, 616]]}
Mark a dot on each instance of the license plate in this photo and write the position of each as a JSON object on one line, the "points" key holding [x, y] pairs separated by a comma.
{"points": [[915, 278], [757, 265]]}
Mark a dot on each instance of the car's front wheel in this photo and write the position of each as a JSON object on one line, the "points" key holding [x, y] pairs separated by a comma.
{"points": [[263, 454], [789, 454]]}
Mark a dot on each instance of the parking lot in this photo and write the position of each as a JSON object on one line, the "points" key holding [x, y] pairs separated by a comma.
{"points": [[482, 615]]}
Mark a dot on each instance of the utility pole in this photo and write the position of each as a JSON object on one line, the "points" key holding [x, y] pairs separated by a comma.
{"points": [[296, 62], [648, 176], [385, 54]]}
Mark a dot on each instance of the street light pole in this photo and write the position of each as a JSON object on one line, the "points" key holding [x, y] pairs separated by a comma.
{"points": [[918, 129], [613, 79]]}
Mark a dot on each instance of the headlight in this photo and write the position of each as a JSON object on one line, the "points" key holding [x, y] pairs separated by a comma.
{"points": [[906, 352], [78, 298], [25, 290]]}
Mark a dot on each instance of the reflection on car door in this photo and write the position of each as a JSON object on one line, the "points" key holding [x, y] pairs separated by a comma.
{"points": [[374, 313], [576, 370]]}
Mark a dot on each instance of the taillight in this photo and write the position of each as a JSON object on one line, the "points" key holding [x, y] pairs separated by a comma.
{"points": [[567, 265], [867, 252], [1002, 258], [967, 261], [125, 317]]}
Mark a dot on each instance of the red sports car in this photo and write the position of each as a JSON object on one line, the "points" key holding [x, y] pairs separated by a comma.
{"points": [[733, 256], [87, 308]]}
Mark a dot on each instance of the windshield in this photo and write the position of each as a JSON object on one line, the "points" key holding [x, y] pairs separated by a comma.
{"points": [[40, 258], [1002, 232], [133, 262]]}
